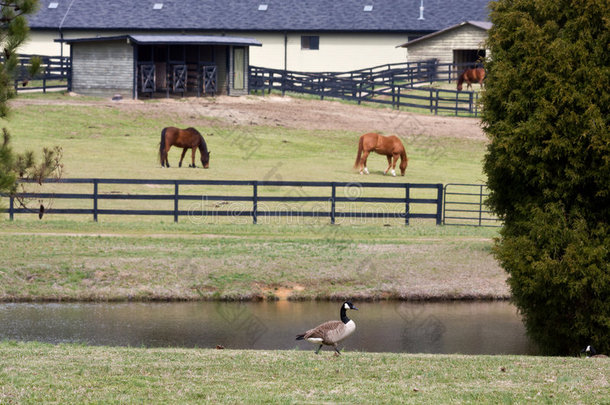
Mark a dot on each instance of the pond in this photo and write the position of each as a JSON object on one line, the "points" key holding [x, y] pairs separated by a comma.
{"points": [[439, 327]]}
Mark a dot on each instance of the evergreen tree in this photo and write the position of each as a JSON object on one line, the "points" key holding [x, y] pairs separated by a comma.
{"points": [[13, 33], [546, 112]]}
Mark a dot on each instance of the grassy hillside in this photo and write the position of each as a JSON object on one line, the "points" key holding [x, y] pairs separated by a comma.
{"points": [[121, 140]]}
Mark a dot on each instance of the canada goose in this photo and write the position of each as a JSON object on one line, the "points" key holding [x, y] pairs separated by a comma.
{"points": [[589, 351], [332, 332]]}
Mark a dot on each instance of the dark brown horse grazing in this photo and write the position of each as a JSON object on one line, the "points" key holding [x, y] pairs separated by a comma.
{"points": [[471, 75], [183, 138], [390, 146]]}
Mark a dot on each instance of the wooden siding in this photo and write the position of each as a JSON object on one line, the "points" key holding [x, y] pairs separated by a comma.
{"points": [[102, 68], [220, 59], [441, 46]]}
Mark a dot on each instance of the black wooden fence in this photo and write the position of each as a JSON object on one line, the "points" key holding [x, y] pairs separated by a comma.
{"points": [[398, 84], [55, 73], [464, 204], [327, 204]]}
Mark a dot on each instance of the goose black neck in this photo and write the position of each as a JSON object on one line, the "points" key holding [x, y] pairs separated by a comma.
{"points": [[344, 317]]}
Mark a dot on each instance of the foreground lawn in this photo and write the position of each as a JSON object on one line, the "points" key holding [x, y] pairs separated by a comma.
{"points": [[36, 373]]}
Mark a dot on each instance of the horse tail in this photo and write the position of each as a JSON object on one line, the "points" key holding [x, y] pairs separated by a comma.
{"points": [[359, 155], [162, 146]]}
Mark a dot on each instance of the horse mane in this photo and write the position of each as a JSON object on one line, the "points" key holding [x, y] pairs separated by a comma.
{"points": [[461, 77], [203, 147]]}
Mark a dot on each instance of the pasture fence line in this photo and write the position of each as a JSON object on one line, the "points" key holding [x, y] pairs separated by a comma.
{"points": [[55, 73], [398, 84], [271, 199], [327, 203]]}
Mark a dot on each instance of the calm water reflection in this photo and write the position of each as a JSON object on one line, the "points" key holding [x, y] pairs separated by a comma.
{"points": [[447, 327]]}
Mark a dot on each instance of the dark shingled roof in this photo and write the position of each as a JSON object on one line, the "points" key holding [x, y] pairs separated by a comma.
{"points": [[244, 15], [172, 39]]}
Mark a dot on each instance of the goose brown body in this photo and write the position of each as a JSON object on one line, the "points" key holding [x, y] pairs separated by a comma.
{"points": [[332, 332]]}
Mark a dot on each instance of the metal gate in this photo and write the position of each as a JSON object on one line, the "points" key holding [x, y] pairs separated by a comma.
{"points": [[209, 76], [464, 204], [179, 77], [147, 78]]}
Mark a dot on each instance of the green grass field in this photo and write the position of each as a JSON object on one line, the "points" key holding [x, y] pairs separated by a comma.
{"points": [[119, 141], [147, 257], [40, 373], [152, 258]]}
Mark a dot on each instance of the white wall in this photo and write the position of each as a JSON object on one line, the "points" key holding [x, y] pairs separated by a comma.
{"points": [[338, 52]]}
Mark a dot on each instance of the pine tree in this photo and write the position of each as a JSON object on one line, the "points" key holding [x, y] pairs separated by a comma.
{"points": [[13, 33], [546, 112]]}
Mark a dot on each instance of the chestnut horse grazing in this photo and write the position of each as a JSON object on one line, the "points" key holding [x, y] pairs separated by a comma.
{"points": [[390, 146], [183, 138], [471, 75]]}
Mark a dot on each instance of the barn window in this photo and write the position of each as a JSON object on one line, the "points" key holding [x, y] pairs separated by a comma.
{"points": [[310, 42], [53, 4]]}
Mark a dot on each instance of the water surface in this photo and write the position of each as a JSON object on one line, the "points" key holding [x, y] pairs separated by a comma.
{"points": [[440, 327]]}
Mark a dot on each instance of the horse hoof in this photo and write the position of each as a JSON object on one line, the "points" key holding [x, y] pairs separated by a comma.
{"points": [[393, 173]]}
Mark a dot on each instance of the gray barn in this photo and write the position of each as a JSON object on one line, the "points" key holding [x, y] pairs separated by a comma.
{"points": [[149, 65], [459, 44]]}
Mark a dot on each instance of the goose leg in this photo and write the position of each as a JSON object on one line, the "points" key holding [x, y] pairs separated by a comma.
{"points": [[318, 351], [337, 349]]}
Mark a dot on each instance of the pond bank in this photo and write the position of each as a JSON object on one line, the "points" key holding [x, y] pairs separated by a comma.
{"points": [[80, 262]]}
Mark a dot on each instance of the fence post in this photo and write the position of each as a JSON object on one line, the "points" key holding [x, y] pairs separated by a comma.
{"points": [[436, 104], [439, 204], [332, 203], [11, 208], [407, 203], [398, 99], [176, 194], [480, 204], [321, 87], [476, 105], [95, 192], [445, 203], [254, 202]]}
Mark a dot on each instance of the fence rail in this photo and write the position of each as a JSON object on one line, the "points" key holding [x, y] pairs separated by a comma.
{"points": [[328, 207], [55, 73], [464, 204], [399, 84]]}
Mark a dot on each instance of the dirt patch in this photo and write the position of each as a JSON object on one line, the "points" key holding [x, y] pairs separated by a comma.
{"points": [[288, 112]]}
